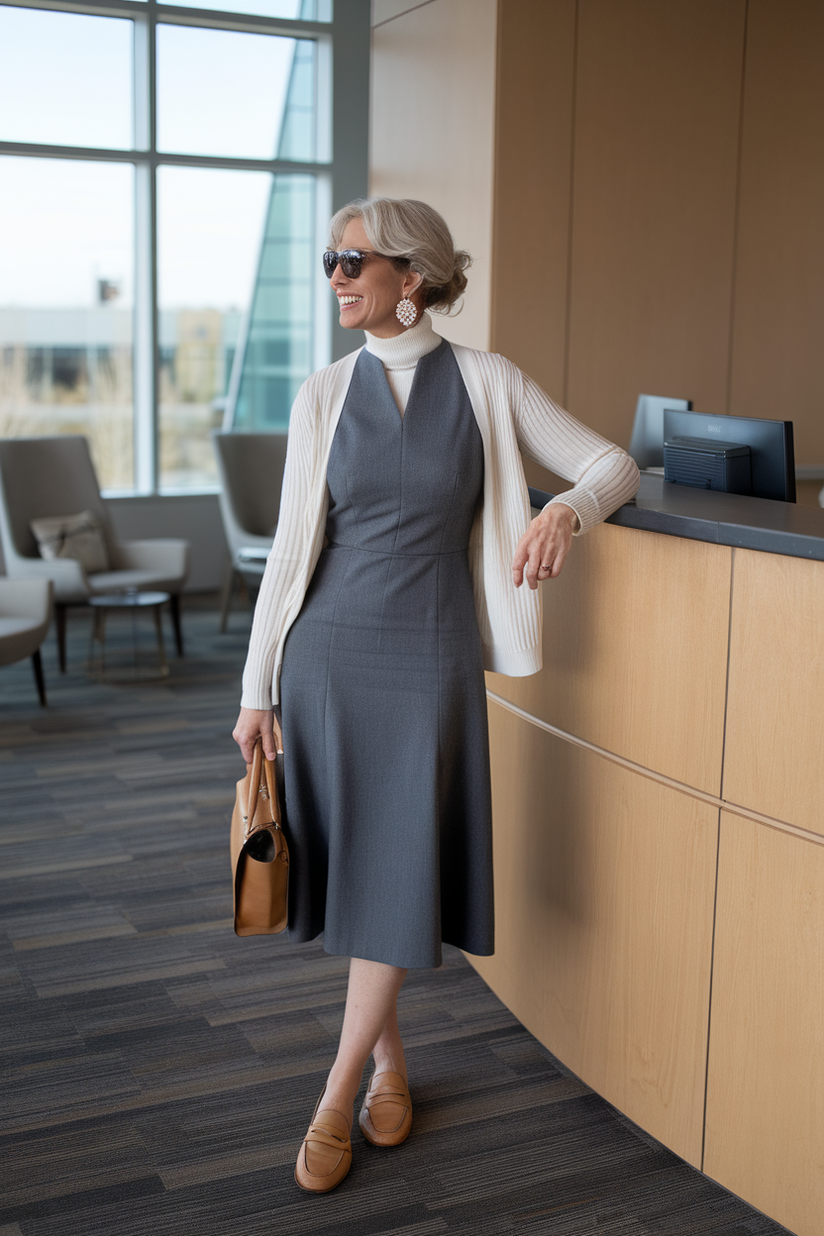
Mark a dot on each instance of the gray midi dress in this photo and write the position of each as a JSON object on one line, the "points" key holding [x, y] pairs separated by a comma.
{"points": [[383, 704]]}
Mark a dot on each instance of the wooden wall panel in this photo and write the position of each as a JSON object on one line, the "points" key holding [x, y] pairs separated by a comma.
{"points": [[536, 59], [774, 758], [635, 651], [433, 128], [604, 903], [778, 356], [533, 166], [765, 1105], [656, 144], [645, 101]]}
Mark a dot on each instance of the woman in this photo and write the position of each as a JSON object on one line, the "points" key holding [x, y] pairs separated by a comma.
{"points": [[395, 578]]}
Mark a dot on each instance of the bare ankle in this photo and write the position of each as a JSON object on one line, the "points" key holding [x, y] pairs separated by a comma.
{"points": [[390, 1063], [339, 1095]]}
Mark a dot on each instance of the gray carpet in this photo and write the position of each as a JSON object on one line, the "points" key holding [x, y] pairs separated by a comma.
{"points": [[159, 1073]]}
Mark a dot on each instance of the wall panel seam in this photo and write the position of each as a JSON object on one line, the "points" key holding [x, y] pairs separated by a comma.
{"points": [[736, 221], [709, 994], [712, 800], [571, 208], [727, 676], [492, 327]]}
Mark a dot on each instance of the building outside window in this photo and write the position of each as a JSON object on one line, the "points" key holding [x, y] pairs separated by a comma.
{"points": [[165, 176]]}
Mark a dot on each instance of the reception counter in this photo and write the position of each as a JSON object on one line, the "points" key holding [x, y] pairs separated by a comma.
{"points": [[659, 834]]}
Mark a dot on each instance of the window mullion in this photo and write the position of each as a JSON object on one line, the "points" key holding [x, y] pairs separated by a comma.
{"points": [[146, 348], [350, 120]]}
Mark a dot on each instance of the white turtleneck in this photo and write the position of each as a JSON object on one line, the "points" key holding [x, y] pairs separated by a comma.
{"points": [[400, 355]]}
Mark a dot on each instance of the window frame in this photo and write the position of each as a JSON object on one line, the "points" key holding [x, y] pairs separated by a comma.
{"points": [[339, 168]]}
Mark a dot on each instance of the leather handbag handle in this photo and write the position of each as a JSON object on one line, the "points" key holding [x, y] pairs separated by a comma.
{"points": [[253, 781]]}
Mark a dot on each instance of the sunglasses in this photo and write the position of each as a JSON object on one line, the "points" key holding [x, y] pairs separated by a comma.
{"points": [[351, 261]]}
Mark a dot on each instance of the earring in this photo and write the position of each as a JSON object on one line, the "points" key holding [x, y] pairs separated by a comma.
{"points": [[406, 313]]}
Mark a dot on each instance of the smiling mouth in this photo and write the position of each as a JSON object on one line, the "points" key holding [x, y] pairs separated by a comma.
{"points": [[344, 301]]}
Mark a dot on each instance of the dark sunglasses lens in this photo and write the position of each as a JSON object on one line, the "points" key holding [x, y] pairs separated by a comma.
{"points": [[351, 261]]}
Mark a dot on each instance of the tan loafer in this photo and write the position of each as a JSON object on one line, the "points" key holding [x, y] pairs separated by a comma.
{"points": [[386, 1116], [326, 1154]]}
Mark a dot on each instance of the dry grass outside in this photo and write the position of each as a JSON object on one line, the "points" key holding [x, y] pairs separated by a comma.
{"points": [[102, 410], [97, 404], [187, 457]]}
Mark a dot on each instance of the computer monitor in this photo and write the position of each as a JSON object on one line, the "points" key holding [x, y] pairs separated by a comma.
{"points": [[647, 443], [772, 455]]}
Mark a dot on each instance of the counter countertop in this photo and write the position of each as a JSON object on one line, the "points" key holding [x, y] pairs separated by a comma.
{"points": [[723, 519]]}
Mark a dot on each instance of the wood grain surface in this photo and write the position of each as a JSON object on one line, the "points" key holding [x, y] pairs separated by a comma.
{"points": [[605, 882], [774, 758], [765, 1109], [635, 651]]}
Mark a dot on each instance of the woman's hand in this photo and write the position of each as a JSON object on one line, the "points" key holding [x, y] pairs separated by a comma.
{"points": [[544, 546], [255, 722]]}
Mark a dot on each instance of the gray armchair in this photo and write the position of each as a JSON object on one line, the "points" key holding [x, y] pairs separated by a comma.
{"points": [[250, 467], [42, 477], [25, 614]]}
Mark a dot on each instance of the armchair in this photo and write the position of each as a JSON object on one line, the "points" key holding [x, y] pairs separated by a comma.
{"points": [[25, 614], [42, 477], [250, 467]]}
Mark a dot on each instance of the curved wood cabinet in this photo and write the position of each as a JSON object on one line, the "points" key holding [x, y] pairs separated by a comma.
{"points": [[659, 849]]}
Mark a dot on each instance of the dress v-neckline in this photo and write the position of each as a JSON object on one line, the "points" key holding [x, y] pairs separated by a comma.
{"points": [[416, 380]]}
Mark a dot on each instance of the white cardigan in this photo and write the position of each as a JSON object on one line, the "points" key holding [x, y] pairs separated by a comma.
{"points": [[513, 415]]}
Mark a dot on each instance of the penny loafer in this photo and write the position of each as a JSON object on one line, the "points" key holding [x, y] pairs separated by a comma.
{"points": [[386, 1116], [326, 1154]]}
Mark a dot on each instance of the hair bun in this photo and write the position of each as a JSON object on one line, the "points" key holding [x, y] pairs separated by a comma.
{"points": [[442, 298]]}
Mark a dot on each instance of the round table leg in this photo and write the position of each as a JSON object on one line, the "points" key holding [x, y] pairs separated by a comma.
{"points": [[161, 650], [98, 635]]}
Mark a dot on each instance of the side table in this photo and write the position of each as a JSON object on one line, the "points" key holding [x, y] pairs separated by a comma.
{"points": [[138, 668]]}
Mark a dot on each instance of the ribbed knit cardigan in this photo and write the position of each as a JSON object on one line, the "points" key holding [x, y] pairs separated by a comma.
{"points": [[513, 415]]}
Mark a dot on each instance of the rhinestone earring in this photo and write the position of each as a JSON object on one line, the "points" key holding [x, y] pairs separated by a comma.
{"points": [[406, 313]]}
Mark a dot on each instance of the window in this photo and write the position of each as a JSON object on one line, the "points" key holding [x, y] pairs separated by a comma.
{"points": [[66, 305], [165, 177]]}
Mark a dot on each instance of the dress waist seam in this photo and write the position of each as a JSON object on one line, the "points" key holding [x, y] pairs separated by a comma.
{"points": [[394, 553]]}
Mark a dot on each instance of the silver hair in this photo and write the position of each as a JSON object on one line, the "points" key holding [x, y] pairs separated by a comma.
{"points": [[410, 232]]}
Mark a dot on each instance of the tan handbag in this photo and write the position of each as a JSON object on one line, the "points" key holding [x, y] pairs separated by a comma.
{"points": [[260, 855]]}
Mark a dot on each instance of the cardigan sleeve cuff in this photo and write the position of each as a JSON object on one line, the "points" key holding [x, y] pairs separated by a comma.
{"points": [[562, 500], [260, 702], [583, 503], [259, 691], [514, 662]]}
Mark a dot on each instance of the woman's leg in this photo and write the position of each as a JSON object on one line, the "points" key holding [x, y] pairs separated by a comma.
{"points": [[388, 1051], [370, 1024]]}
